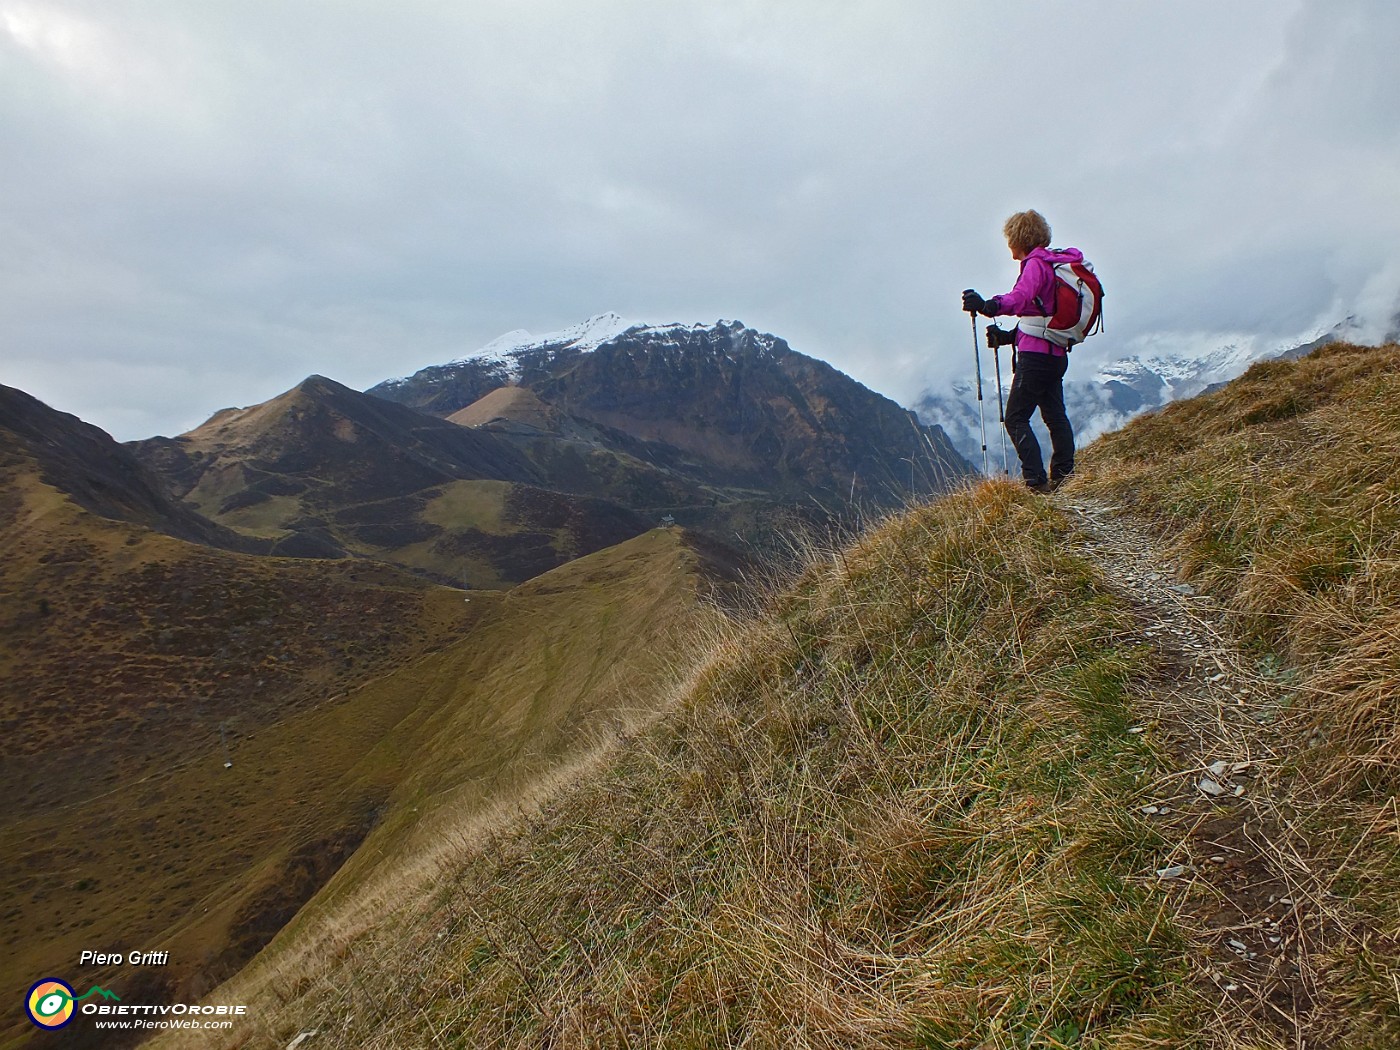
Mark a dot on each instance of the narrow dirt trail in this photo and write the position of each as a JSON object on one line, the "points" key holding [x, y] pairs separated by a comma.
{"points": [[1237, 871]]}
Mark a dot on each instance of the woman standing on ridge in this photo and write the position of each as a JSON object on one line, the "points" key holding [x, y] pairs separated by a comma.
{"points": [[1037, 365]]}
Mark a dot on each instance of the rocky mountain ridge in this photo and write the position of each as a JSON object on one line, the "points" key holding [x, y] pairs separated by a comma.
{"points": [[741, 400], [508, 463]]}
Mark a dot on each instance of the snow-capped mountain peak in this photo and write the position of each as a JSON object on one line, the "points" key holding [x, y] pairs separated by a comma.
{"points": [[586, 335], [508, 356], [1186, 374], [508, 351]]}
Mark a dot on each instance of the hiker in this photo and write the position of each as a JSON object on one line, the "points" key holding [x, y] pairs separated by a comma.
{"points": [[1037, 364]]}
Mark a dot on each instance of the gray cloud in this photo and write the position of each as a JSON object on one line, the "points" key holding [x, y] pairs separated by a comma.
{"points": [[208, 202]]}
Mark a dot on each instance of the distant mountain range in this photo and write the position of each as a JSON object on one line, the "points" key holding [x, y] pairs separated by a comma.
{"points": [[512, 461]]}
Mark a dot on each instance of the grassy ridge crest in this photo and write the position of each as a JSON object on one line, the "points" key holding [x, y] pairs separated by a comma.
{"points": [[887, 813]]}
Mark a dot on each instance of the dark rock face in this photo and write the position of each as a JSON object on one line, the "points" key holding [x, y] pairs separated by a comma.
{"points": [[731, 405], [441, 390]]}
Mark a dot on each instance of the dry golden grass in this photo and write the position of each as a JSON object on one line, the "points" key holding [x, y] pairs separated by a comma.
{"points": [[1281, 495], [358, 701], [893, 811]]}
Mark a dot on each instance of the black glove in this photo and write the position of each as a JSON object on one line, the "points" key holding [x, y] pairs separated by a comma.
{"points": [[999, 337], [975, 304]]}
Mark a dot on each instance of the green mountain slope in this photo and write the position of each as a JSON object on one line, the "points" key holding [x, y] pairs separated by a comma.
{"points": [[351, 700], [904, 807]]}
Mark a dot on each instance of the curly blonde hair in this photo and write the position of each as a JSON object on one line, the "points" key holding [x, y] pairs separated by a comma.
{"points": [[1027, 230]]}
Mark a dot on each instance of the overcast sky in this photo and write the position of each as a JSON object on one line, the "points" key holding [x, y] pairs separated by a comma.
{"points": [[203, 201]]}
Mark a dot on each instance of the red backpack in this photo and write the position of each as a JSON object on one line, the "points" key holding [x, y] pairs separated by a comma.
{"points": [[1078, 307]]}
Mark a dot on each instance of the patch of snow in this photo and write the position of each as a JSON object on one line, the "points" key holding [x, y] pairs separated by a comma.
{"points": [[590, 334], [510, 341], [1179, 371], [675, 335], [586, 335]]}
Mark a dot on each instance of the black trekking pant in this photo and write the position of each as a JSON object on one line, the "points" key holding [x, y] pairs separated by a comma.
{"points": [[1039, 383]]}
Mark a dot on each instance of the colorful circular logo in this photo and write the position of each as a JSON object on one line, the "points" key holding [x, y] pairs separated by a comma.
{"points": [[50, 1003]]}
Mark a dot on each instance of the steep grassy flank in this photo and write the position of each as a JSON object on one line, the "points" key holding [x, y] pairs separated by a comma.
{"points": [[122, 653], [509, 404], [490, 534], [355, 700], [1281, 495], [567, 663], [896, 811], [97, 474]]}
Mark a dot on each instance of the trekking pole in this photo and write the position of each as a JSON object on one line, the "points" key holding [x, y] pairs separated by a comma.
{"points": [[1001, 410], [981, 410]]}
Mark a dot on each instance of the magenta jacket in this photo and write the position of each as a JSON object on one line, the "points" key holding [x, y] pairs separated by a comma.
{"points": [[1037, 282]]}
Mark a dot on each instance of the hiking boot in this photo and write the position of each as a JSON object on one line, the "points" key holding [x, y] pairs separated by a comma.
{"points": [[1057, 482], [1040, 486]]}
